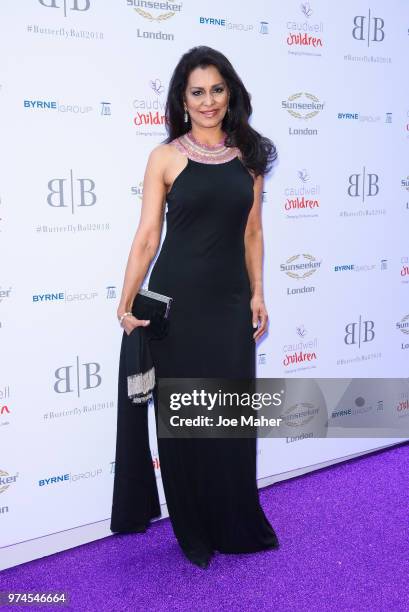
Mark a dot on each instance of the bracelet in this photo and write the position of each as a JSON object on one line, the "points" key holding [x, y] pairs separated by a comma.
{"points": [[121, 318]]}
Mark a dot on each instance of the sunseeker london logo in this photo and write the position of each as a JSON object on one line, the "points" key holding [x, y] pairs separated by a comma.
{"points": [[405, 183], [4, 293], [155, 13], [137, 190], [303, 106], [7, 479], [301, 267], [403, 326]]}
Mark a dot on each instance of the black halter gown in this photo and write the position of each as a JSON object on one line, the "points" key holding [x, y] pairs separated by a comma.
{"points": [[209, 483]]}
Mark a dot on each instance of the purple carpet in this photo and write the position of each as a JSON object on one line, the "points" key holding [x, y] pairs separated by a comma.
{"points": [[344, 536]]}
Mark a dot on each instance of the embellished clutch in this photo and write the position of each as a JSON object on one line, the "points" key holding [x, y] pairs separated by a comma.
{"points": [[154, 306], [140, 370]]}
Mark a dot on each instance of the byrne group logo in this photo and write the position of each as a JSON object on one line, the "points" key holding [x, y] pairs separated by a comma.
{"points": [[351, 267], [103, 108], [305, 33], [111, 292], [222, 22], [56, 105], [69, 477], [302, 200], [365, 118], [262, 358], [65, 296]]}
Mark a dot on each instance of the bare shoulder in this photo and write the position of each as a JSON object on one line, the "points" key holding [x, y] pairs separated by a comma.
{"points": [[160, 154], [164, 154]]}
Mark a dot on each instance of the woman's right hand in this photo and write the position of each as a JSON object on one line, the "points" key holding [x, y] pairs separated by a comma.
{"points": [[130, 322]]}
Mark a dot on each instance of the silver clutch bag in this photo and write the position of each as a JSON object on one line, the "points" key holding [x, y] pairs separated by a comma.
{"points": [[155, 307]]}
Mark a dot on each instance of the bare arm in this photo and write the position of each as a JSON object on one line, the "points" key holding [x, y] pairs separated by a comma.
{"points": [[147, 237], [254, 247]]}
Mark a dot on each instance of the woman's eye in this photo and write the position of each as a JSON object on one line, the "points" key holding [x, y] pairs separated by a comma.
{"points": [[217, 90]]}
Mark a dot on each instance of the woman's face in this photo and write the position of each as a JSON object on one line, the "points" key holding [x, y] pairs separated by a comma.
{"points": [[206, 97]]}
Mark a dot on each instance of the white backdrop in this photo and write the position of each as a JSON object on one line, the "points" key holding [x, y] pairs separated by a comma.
{"points": [[82, 92]]}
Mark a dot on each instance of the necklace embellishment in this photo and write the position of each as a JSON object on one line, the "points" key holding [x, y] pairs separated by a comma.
{"points": [[208, 154]]}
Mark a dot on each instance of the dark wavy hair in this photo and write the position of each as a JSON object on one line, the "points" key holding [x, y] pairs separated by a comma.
{"points": [[258, 152]]}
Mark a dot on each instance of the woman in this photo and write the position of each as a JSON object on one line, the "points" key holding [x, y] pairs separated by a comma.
{"points": [[210, 172]]}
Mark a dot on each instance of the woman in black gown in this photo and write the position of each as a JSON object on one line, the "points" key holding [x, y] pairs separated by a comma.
{"points": [[210, 172]]}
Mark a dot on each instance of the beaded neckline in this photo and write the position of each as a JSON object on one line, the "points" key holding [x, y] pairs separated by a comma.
{"points": [[208, 154]]}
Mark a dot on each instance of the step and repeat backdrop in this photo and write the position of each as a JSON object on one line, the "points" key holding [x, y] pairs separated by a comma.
{"points": [[83, 85]]}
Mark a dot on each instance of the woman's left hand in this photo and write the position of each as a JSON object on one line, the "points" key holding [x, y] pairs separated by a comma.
{"points": [[260, 316]]}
